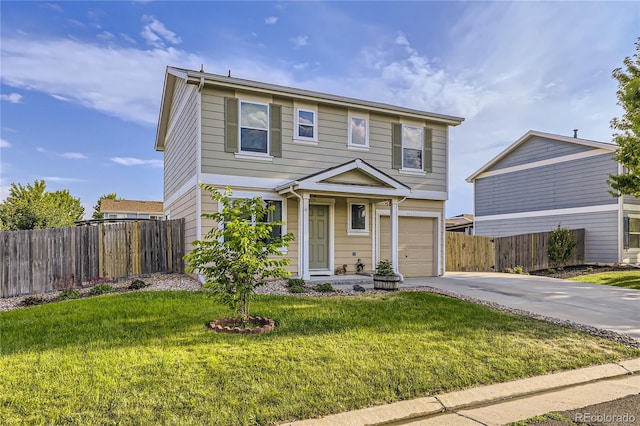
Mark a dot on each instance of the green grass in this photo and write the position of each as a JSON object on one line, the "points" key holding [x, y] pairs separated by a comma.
{"points": [[147, 358], [626, 279]]}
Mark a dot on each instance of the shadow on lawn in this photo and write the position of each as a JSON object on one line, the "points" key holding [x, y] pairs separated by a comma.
{"points": [[179, 319]]}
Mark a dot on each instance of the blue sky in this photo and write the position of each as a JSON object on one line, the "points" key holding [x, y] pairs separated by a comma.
{"points": [[81, 82]]}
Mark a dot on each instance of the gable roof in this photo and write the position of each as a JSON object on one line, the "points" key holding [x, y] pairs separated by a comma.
{"points": [[130, 206], [202, 79], [534, 133]]}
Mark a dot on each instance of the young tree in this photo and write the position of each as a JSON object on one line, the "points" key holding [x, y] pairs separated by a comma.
{"points": [[562, 245], [32, 207], [237, 257], [97, 209], [628, 137]]}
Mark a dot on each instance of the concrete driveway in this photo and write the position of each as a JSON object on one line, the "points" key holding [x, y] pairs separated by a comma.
{"points": [[610, 308]]}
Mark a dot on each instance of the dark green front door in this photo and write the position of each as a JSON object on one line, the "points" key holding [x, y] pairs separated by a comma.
{"points": [[318, 237]]}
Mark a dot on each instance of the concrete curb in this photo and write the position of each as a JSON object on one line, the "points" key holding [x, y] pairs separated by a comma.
{"points": [[501, 402]]}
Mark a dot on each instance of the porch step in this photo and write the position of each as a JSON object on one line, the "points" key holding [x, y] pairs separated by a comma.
{"points": [[342, 279]]}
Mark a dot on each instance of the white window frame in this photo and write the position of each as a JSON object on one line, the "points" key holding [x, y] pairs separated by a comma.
{"points": [[296, 135], [412, 169], [367, 211], [351, 145], [632, 216], [240, 127]]}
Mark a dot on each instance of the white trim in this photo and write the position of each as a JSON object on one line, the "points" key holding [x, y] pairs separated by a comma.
{"points": [[415, 213], [542, 163], [247, 155], [361, 116], [299, 141], [621, 208], [242, 181], [296, 128], [411, 169], [532, 133], [199, 167], [556, 212], [186, 187], [367, 209], [179, 110], [414, 172], [358, 148]]}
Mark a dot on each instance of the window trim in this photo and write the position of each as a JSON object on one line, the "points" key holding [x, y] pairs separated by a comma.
{"points": [[631, 217], [367, 212], [410, 170], [350, 144], [252, 154], [296, 135]]}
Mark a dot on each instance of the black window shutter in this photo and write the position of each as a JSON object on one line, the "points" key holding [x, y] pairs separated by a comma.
{"points": [[626, 232], [396, 143], [275, 129], [428, 150], [230, 125]]}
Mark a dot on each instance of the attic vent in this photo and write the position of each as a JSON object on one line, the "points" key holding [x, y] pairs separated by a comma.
{"points": [[575, 133]]}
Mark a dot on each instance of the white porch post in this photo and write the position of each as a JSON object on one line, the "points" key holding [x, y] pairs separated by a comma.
{"points": [[394, 234], [304, 232]]}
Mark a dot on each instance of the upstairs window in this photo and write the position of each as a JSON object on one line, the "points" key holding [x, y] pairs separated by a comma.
{"points": [[412, 147], [306, 125], [412, 150], [358, 132], [254, 127]]}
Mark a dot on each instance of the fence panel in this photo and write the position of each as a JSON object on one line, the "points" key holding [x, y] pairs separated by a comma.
{"points": [[530, 251], [42, 260], [469, 253]]}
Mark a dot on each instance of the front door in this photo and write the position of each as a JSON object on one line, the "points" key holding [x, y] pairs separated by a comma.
{"points": [[318, 237]]}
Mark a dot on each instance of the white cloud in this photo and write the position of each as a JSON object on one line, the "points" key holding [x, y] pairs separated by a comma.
{"points": [[4, 143], [41, 150], [14, 98], [127, 38], [300, 41], [105, 35], [61, 179], [73, 155], [270, 20], [131, 161], [156, 33]]}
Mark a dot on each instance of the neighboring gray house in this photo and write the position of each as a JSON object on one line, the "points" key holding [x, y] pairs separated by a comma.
{"points": [[352, 179], [543, 180]]}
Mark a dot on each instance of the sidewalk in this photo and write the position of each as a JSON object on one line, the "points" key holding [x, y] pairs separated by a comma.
{"points": [[501, 403]]}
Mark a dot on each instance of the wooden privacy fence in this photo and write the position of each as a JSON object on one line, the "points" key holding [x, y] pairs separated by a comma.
{"points": [[530, 251], [42, 260], [469, 253]]}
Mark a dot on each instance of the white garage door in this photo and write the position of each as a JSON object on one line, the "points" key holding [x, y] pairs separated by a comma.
{"points": [[416, 242]]}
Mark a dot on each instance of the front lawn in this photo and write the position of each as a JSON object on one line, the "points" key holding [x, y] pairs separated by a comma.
{"points": [[146, 358], [626, 279]]}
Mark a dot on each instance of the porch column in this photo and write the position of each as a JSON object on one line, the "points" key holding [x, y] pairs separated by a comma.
{"points": [[304, 240], [394, 234]]}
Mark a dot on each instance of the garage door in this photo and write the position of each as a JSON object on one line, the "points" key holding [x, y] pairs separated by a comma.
{"points": [[415, 245]]}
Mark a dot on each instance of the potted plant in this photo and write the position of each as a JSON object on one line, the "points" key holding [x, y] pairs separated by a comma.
{"points": [[385, 278]]}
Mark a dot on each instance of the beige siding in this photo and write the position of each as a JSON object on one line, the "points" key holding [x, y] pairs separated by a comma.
{"points": [[292, 226], [185, 207], [180, 153], [345, 245], [300, 160], [208, 206]]}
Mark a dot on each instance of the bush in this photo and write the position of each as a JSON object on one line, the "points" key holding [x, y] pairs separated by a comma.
{"points": [[69, 294], [551, 271], [296, 289], [385, 268], [31, 301], [562, 245], [517, 269], [100, 289], [137, 285], [325, 287], [589, 269], [295, 282]]}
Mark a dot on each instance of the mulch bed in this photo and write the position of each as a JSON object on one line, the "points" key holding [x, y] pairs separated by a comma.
{"points": [[579, 270]]}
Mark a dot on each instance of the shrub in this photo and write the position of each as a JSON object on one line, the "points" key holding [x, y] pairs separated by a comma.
{"points": [[517, 269], [551, 271], [31, 301], [100, 289], [385, 268], [562, 245], [137, 284], [296, 289], [295, 282], [69, 294], [589, 269], [325, 287]]}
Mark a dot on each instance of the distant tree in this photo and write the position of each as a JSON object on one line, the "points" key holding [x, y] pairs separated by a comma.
{"points": [[562, 245], [32, 207], [628, 138], [97, 209]]}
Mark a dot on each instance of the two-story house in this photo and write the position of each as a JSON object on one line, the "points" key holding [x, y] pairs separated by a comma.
{"points": [[543, 180], [352, 180]]}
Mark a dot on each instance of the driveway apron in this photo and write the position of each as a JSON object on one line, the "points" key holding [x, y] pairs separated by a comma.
{"points": [[605, 307]]}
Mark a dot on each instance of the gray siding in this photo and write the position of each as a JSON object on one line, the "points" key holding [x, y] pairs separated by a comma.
{"points": [[538, 149], [577, 183], [180, 153], [630, 199], [601, 231], [300, 160]]}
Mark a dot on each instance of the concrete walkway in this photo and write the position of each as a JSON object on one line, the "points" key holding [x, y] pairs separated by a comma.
{"points": [[606, 307], [501, 403]]}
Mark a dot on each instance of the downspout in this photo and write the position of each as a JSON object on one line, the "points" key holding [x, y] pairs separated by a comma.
{"points": [[199, 170], [300, 222]]}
